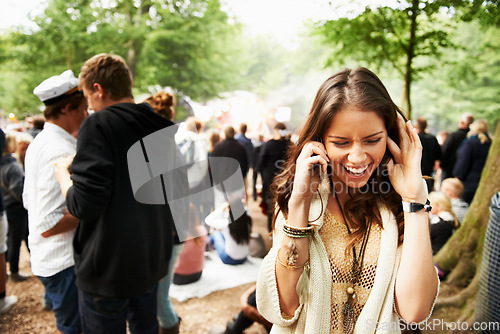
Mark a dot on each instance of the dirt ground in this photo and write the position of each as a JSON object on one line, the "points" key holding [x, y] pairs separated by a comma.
{"points": [[198, 314]]}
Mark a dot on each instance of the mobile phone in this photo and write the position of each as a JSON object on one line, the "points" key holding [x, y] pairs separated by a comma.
{"points": [[316, 166]]}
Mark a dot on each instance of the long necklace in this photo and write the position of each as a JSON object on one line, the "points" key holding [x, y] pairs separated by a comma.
{"points": [[357, 266]]}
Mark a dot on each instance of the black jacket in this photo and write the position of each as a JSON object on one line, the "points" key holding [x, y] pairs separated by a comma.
{"points": [[122, 247], [11, 181], [440, 233], [471, 158], [449, 151], [431, 151], [229, 148], [272, 157]]}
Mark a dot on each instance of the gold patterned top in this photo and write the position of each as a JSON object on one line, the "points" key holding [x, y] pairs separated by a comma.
{"points": [[335, 237]]}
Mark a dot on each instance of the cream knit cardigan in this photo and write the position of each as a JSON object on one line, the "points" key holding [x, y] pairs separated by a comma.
{"points": [[313, 314]]}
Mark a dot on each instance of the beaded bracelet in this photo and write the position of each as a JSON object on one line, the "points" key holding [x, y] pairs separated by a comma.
{"points": [[297, 232]]}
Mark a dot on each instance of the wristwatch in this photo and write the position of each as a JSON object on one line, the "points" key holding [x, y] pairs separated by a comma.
{"points": [[416, 207]]}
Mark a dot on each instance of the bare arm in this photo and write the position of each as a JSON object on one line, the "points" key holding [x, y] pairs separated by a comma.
{"points": [[62, 174], [305, 184], [66, 224], [287, 279], [416, 280]]}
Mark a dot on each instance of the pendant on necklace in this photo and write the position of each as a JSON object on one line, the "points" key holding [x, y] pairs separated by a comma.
{"points": [[351, 294], [349, 309]]}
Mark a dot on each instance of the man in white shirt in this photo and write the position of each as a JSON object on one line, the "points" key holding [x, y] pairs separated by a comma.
{"points": [[51, 227]]}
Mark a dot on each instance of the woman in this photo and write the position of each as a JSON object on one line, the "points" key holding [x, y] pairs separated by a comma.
{"points": [[163, 103], [12, 183], [345, 257], [189, 265], [471, 158], [231, 232]]}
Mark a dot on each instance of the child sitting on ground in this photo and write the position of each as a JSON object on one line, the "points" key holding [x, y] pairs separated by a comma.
{"points": [[443, 220]]}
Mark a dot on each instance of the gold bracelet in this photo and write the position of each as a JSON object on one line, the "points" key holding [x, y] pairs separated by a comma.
{"points": [[291, 267]]}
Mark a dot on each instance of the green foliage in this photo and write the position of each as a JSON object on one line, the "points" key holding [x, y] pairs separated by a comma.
{"points": [[267, 64], [188, 45], [380, 37], [193, 50], [487, 13], [467, 80]]}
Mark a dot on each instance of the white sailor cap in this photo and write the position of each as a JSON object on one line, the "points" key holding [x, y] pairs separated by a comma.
{"points": [[57, 88]]}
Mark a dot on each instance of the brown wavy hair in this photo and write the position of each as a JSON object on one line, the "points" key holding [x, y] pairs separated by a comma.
{"points": [[358, 89], [163, 103]]}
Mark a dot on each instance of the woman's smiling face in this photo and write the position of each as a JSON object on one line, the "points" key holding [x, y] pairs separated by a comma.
{"points": [[355, 142]]}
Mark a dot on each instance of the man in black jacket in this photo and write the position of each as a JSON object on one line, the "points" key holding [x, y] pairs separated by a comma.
{"points": [[431, 151], [124, 239], [229, 187], [452, 143]]}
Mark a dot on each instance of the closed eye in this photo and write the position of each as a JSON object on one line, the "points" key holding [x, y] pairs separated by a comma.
{"points": [[373, 141]]}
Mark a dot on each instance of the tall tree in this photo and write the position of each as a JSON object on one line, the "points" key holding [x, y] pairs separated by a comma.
{"points": [[391, 37]]}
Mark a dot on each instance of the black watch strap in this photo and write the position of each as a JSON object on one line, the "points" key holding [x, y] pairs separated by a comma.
{"points": [[416, 207]]}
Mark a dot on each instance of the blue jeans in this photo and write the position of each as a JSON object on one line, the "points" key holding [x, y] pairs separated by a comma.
{"points": [[217, 238], [62, 292], [167, 316], [110, 314]]}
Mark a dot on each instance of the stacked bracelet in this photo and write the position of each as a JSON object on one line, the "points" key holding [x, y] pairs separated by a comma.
{"points": [[297, 232]]}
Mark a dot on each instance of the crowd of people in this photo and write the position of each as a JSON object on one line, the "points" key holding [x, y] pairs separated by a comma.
{"points": [[338, 198]]}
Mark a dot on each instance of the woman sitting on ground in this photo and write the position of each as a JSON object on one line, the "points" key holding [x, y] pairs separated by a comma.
{"points": [[230, 238]]}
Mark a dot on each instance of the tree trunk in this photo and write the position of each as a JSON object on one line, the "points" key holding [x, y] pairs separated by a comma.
{"points": [[461, 256], [410, 54]]}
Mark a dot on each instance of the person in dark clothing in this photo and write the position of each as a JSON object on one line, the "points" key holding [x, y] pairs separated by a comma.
{"points": [[257, 144], [228, 148], [123, 242], [6, 302], [231, 148], [452, 143], [12, 183], [272, 155], [246, 142], [471, 158], [247, 316], [431, 152]]}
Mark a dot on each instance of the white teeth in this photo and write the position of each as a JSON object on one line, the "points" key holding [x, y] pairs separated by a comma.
{"points": [[356, 170]]}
